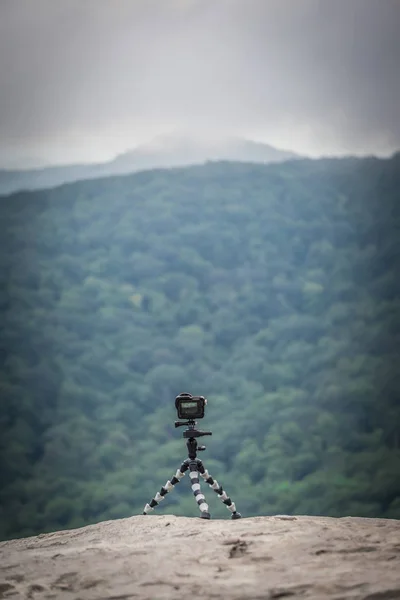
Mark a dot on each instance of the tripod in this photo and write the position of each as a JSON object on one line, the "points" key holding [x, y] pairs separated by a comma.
{"points": [[195, 467]]}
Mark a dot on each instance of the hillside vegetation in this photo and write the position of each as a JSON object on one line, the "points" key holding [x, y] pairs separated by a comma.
{"points": [[273, 290]]}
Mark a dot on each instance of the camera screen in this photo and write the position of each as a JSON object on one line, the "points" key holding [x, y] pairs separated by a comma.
{"points": [[189, 405]]}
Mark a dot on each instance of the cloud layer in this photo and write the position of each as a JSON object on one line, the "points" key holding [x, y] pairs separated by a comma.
{"points": [[83, 80]]}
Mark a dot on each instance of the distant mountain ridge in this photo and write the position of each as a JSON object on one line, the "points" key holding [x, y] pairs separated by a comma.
{"points": [[164, 151]]}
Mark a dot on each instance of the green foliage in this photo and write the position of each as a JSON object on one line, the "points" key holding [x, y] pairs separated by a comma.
{"points": [[273, 290]]}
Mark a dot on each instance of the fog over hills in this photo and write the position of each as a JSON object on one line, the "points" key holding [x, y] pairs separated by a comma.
{"points": [[169, 150]]}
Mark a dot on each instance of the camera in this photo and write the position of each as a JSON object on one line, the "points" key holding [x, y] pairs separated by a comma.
{"points": [[190, 407]]}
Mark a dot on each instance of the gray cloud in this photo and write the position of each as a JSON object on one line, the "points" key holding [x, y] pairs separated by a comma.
{"points": [[89, 78]]}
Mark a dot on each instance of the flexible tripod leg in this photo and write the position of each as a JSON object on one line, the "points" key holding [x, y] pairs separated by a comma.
{"points": [[195, 483], [167, 487], [213, 483]]}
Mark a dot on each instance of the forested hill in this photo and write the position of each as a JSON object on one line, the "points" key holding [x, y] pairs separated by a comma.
{"points": [[273, 290]]}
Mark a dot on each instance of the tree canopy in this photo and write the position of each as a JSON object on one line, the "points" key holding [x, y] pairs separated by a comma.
{"points": [[271, 289]]}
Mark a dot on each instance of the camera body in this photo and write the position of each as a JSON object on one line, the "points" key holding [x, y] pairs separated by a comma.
{"points": [[190, 407]]}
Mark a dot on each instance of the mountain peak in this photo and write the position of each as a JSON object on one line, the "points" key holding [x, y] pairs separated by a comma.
{"points": [[175, 149], [182, 148]]}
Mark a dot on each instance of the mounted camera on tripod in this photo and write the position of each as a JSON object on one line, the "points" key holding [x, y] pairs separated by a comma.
{"points": [[190, 407]]}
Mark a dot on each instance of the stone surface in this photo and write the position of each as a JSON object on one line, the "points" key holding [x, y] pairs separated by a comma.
{"points": [[156, 557]]}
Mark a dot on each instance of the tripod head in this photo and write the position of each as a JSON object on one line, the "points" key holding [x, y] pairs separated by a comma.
{"points": [[190, 434], [191, 431]]}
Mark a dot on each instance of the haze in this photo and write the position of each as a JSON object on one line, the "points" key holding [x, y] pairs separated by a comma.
{"points": [[83, 81]]}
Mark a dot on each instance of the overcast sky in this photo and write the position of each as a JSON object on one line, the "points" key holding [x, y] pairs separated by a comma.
{"points": [[81, 80]]}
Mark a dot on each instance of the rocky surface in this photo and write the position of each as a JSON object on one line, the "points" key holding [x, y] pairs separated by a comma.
{"points": [[156, 557]]}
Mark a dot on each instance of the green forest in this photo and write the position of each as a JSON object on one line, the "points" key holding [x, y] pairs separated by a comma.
{"points": [[273, 290]]}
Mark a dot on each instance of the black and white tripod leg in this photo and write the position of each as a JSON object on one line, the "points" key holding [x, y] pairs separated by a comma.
{"points": [[167, 488], [195, 483], [213, 483]]}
